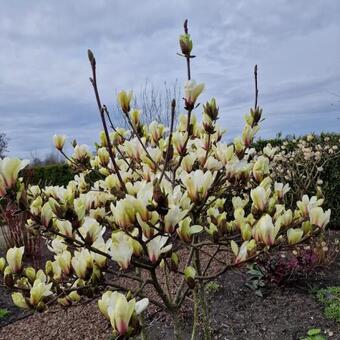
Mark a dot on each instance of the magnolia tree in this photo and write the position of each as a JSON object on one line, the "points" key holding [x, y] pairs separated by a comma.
{"points": [[150, 206]]}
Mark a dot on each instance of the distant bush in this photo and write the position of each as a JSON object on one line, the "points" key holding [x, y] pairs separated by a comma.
{"points": [[310, 164], [55, 174]]}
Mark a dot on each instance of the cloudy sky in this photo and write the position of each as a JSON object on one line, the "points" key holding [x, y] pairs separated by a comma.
{"points": [[44, 87]]}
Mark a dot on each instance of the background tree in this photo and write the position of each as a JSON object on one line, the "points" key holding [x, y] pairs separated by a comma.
{"points": [[3, 144], [154, 102]]}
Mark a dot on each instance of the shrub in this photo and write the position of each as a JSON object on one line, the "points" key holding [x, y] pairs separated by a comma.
{"points": [[287, 266], [309, 164], [153, 206]]}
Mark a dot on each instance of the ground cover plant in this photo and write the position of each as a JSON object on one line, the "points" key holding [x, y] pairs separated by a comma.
{"points": [[330, 298], [148, 206]]}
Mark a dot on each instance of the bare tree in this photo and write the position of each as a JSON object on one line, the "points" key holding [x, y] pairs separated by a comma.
{"points": [[154, 102], [3, 144]]}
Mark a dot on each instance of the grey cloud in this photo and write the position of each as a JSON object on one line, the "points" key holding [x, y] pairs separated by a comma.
{"points": [[44, 85]]}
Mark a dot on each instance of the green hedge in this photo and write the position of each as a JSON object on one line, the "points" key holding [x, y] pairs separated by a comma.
{"points": [[330, 175], [55, 174]]}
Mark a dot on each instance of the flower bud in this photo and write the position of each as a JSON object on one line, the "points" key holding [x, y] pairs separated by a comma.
{"points": [[261, 168], [124, 100], [189, 275], [179, 142], [74, 296], [294, 235], [2, 264], [174, 262], [19, 300], [211, 110], [103, 156], [306, 227], [59, 141], [239, 147], [135, 118], [8, 277], [208, 124], [49, 268], [30, 273], [91, 57], [185, 43]]}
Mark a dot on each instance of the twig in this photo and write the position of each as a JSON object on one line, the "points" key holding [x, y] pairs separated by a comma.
{"points": [[256, 88], [102, 111], [173, 107]]}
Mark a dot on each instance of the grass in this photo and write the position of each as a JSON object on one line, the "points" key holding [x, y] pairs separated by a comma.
{"points": [[330, 298]]}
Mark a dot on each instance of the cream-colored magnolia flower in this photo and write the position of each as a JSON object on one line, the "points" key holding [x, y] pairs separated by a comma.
{"points": [[294, 235], [156, 247], [192, 90], [81, 262], [172, 218], [259, 198], [39, 291], [261, 168], [103, 246], [265, 231], [9, 171], [124, 213], [197, 184], [281, 189], [81, 152], [14, 258], [242, 252], [64, 227], [116, 308], [121, 249], [319, 217], [307, 204], [64, 261], [91, 229], [186, 230]]}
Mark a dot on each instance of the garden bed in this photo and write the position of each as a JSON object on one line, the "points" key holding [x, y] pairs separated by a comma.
{"points": [[236, 314]]}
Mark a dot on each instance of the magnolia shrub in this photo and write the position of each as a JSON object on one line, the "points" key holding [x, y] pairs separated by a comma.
{"points": [[152, 200]]}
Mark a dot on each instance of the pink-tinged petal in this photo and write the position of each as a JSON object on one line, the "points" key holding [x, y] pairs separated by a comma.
{"points": [[122, 327]]}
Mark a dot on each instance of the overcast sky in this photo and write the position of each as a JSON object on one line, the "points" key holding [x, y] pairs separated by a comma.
{"points": [[44, 87]]}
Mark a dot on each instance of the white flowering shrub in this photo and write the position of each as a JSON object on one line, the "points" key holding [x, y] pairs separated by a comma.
{"points": [[152, 200], [309, 164]]}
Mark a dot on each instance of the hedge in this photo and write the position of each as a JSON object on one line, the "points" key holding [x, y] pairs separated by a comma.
{"points": [[55, 174]]}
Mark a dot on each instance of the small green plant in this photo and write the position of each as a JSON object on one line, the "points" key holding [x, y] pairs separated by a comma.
{"points": [[212, 287], [3, 313], [256, 279], [314, 334], [330, 298]]}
